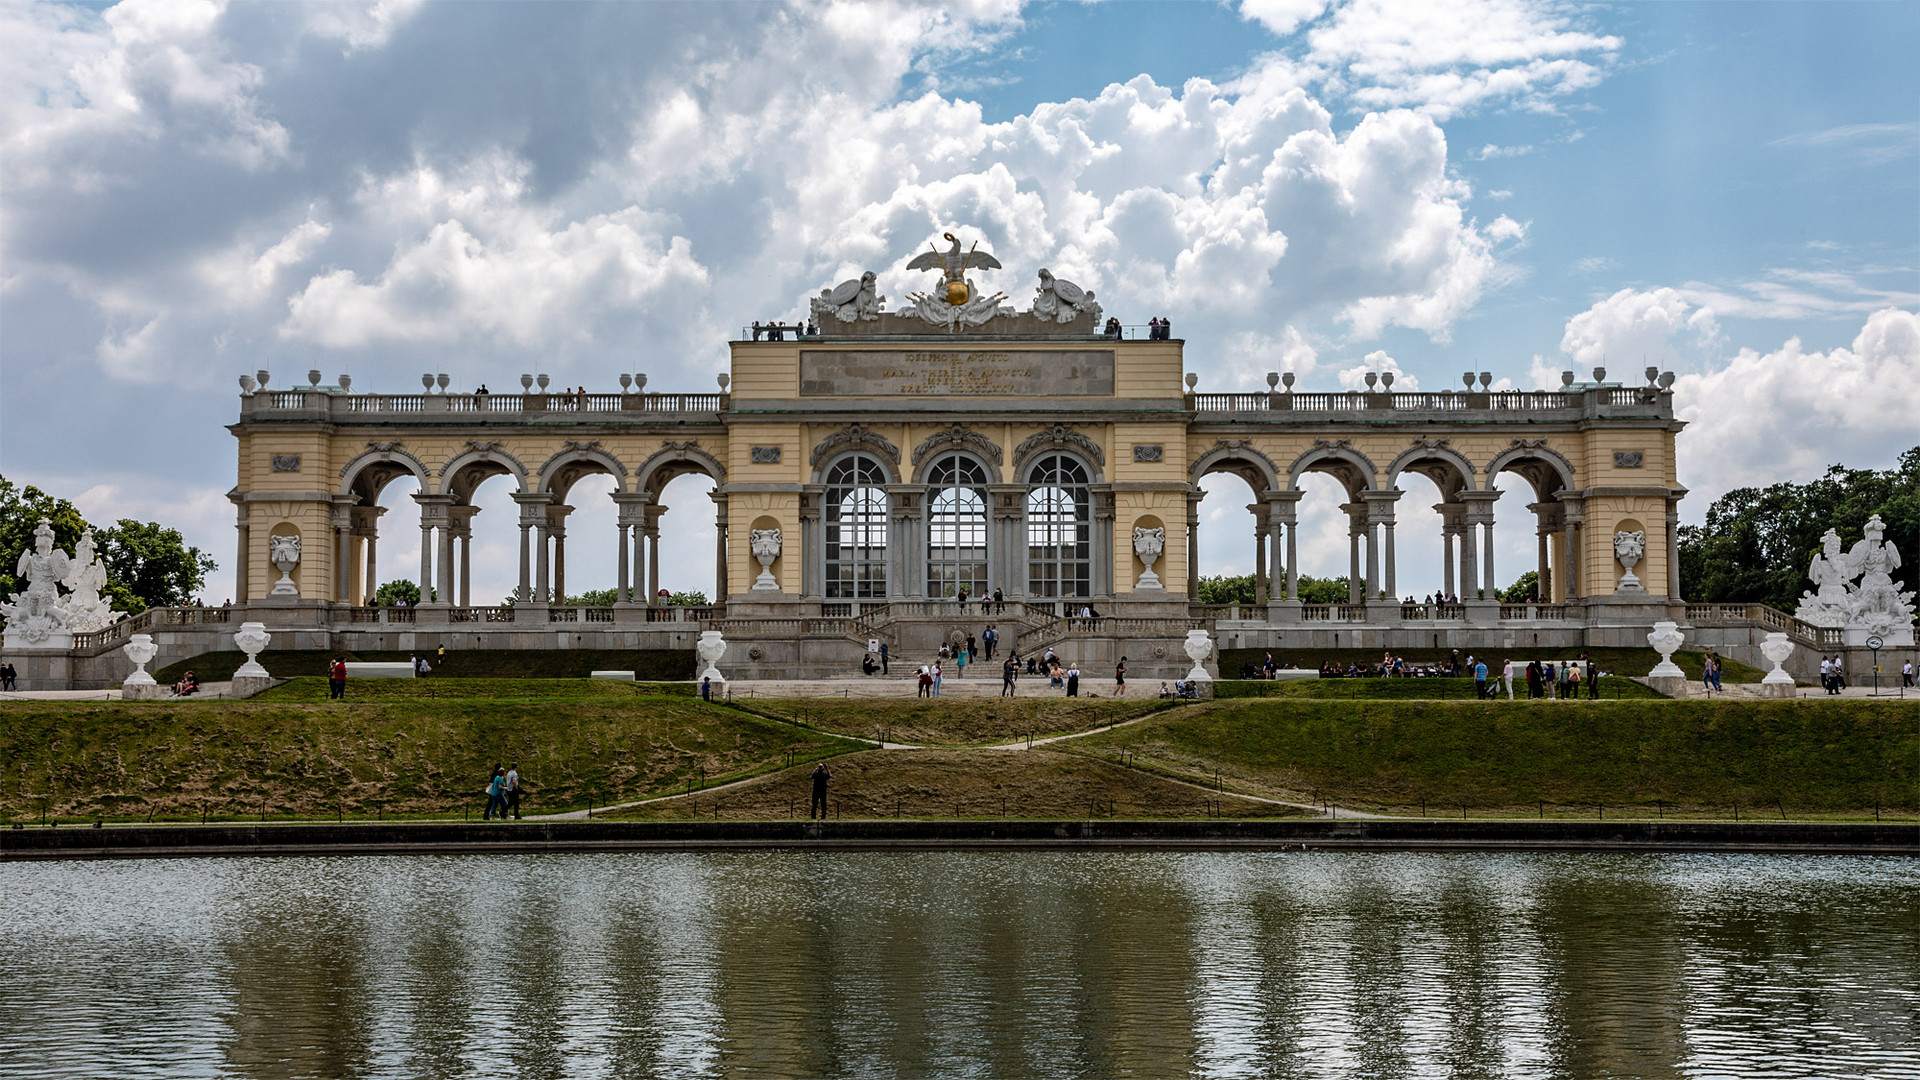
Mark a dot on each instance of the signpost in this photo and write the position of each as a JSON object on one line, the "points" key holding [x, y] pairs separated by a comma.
{"points": [[1874, 643]]}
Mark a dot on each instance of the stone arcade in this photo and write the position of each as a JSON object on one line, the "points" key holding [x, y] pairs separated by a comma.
{"points": [[871, 473]]}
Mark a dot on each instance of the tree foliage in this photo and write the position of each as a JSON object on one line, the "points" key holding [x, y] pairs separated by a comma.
{"points": [[1239, 590], [395, 591], [1757, 542], [148, 564], [1523, 590]]}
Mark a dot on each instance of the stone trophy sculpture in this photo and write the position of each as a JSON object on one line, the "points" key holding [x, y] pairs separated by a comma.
{"points": [[1629, 548], [141, 650], [765, 546], [251, 677], [1777, 683], [710, 648], [37, 617], [849, 301], [86, 610], [1062, 300], [1666, 675], [1198, 647], [1148, 544], [284, 553], [1875, 607]]}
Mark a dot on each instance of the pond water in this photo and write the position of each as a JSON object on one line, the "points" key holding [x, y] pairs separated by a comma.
{"points": [[964, 964]]}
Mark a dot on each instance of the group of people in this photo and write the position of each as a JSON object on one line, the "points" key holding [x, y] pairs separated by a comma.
{"points": [[778, 331], [188, 685], [503, 793], [1833, 674], [1159, 329], [1549, 679], [8, 676]]}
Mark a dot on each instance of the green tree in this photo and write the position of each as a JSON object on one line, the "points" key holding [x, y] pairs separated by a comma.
{"points": [[592, 598], [150, 565], [694, 598], [395, 591], [1227, 590], [21, 509], [1523, 589], [1315, 590], [1757, 542]]}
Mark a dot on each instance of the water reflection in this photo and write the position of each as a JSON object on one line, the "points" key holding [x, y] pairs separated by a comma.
{"points": [[964, 964]]}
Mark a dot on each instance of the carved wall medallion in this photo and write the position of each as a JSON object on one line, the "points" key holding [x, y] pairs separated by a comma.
{"points": [[684, 444], [384, 447], [756, 653], [479, 447], [958, 437], [766, 455], [1333, 444], [575, 444], [1149, 453], [855, 437], [286, 463], [1528, 444], [1433, 444], [1629, 459]]}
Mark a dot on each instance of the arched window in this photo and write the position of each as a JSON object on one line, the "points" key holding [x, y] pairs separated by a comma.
{"points": [[1059, 529], [854, 509], [956, 527]]}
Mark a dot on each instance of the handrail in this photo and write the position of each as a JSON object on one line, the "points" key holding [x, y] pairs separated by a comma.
{"points": [[412, 404]]}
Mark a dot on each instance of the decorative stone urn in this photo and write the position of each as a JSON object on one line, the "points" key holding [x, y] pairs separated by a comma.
{"points": [[1666, 676], [1777, 647], [1148, 544], [141, 650], [284, 553], [710, 648], [252, 639], [1629, 547], [1198, 647], [765, 545]]}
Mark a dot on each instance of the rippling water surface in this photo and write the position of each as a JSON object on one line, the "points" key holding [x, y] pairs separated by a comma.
{"points": [[964, 964]]}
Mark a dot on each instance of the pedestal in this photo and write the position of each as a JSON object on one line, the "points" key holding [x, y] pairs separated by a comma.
{"points": [[142, 692], [1673, 686], [245, 686], [1779, 690]]}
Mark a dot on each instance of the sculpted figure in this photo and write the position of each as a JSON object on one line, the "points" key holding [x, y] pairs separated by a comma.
{"points": [[86, 611], [1879, 605], [1062, 300], [1830, 572], [34, 615], [849, 301]]}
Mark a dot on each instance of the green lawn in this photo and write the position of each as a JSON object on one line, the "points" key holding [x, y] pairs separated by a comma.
{"points": [[129, 760], [1803, 756], [1612, 661], [1376, 689], [654, 665]]}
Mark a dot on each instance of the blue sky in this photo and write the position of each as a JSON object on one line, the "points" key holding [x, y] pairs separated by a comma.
{"points": [[193, 190]]}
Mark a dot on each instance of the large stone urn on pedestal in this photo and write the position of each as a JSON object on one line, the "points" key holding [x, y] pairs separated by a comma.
{"points": [[1666, 676], [251, 678], [140, 686], [1198, 647], [710, 648], [1778, 683], [765, 546], [284, 553], [1148, 544]]}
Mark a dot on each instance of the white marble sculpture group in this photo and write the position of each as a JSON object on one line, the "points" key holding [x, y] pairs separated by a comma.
{"points": [[42, 617], [1872, 606], [957, 301]]}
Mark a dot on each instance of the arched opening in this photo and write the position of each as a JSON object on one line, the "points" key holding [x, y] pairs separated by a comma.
{"points": [[956, 527], [686, 546], [1530, 563], [386, 535], [1227, 569], [583, 525], [854, 511], [483, 518], [1059, 512], [1326, 548], [1427, 548]]}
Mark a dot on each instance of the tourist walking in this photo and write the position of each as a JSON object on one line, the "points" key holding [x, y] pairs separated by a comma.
{"points": [[1506, 676], [1827, 680], [1120, 678], [818, 807], [8, 675], [1906, 675], [1480, 681], [990, 638], [496, 795], [513, 791], [936, 678], [960, 663], [1710, 673], [706, 688], [1593, 677], [337, 680], [883, 658], [926, 682], [1009, 673], [1073, 680]]}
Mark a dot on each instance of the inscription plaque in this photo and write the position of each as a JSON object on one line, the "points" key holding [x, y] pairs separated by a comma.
{"points": [[1011, 372], [1148, 453], [766, 455], [286, 463], [1629, 459]]}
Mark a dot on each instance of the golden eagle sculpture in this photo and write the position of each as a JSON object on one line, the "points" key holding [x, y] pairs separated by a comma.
{"points": [[954, 264]]}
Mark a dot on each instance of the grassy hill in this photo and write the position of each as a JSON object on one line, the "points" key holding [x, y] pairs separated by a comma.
{"points": [[652, 665]]}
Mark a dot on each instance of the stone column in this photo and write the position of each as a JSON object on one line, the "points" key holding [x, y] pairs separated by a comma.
{"points": [[639, 564], [1286, 515], [559, 533], [1392, 588], [242, 564], [1193, 545], [542, 590], [373, 567], [652, 530], [426, 558], [1356, 528], [630, 518], [1103, 540], [1276, 518], [1491, 587], [719, 548], [343, 548], [1673, 551], [1008, 560], [533, 519], [445, 576], [1469, 562], [1262, 589], [1447, 560], [1572, 513]]}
